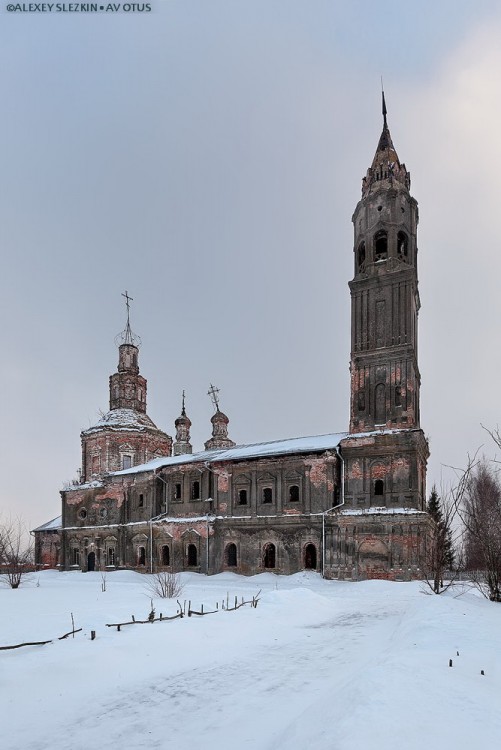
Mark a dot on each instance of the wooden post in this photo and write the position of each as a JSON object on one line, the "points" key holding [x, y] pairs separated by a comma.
{"points": [[450, 662], [118, 628], [92, 635]]}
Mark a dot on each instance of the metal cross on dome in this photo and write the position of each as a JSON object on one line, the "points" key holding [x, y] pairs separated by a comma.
{"points": [[212, 392]]}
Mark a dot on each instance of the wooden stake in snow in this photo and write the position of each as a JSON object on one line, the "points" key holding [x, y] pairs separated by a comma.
{"points": [[450, 662]]}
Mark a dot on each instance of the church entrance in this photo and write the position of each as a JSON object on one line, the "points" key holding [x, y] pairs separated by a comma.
{"points": [[91, 561], [310, 557]]}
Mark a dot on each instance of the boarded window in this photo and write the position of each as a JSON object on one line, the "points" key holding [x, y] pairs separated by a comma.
{"points": [[267, 495], [231, 555], [126, 462], [361, 256], [380, 416], [269, 556], [242, 497]]}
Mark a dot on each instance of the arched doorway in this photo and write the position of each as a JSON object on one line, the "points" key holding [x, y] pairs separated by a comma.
{"points": [[269, 556], [91, 561], [231, 555], [192, 556], [310, 557]]}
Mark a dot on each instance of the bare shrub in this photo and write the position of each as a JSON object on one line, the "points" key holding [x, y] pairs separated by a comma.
{"points": [[166, 585], [16, 553]]}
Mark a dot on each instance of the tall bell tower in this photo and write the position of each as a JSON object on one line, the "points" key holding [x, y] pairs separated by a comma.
{"points": [[386, 451], [385, 377]]}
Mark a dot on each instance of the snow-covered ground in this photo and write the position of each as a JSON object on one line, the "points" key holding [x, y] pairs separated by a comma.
{"points": [[319, 665]]}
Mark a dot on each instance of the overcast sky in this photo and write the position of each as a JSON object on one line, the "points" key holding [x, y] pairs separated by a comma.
{"points": [[207, 157]]}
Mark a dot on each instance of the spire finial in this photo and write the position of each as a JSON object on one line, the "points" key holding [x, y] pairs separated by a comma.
{"points": [[127, 336], [212, 392], [183, 410], [385, 111]]}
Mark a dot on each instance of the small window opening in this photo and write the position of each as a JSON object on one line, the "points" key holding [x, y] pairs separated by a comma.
{"points": [[231, 555], [379, 487], [195, 490], [242, 497], [165, 555], [269, 557], [398, 396], [294, 493], [141, 556], [141, 501], [402, 246], [75, 556], [192, 556], [177, 491], [267, 495], [379, 208], [380, 246], [111, 555], [82, 514], [126, 462]]}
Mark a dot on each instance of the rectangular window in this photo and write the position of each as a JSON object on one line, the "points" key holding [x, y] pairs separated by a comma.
{"points": [[75, 556], [111, 555], [126, 462], [267, 495], [177, 491], [242, 497], [195, 490]]}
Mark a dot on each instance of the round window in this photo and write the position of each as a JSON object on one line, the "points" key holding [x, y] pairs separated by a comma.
{"points": [[82, 513]]}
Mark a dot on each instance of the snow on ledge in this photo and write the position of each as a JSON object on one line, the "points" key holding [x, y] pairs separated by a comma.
{"points": [[382, 511]]}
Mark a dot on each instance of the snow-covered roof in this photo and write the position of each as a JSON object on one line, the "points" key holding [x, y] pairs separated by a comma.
{"points": [[53, 525], [123, 419], [312, 444]]}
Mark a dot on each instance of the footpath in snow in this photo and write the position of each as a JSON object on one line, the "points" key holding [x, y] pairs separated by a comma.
{"points": [[319, 665]]}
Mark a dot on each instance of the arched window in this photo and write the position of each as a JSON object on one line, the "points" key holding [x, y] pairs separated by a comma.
{"points": [[294, 493], [231, 555], [361, 256], [379, 487], [242, 497], [269, 556], [165, 555], [192, 556], [380, 246], [402, 246], [380, 399], [310, 557], [141, 556]]}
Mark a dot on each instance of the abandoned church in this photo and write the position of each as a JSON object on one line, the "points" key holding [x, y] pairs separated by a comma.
{"points": [[349, 504]]}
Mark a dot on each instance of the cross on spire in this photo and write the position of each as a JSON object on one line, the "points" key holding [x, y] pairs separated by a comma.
{"points": [[212, 392], [183, 411], [126, 336]]}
